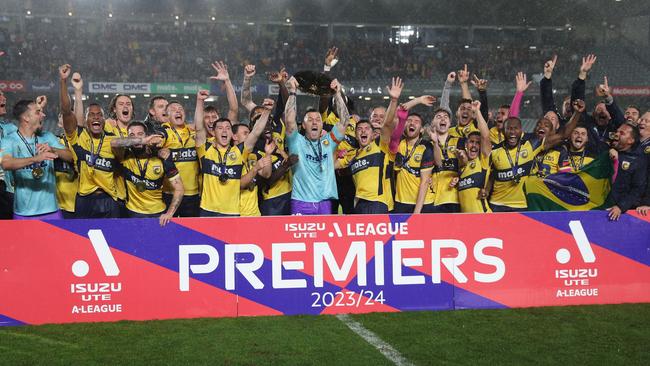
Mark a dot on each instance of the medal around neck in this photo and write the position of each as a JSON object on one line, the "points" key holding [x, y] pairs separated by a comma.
{"points": [[38, 173], [140, 186]]}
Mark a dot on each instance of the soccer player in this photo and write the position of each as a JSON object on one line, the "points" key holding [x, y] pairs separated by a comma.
{"points": [[630, 177], [464, 118], [256, 165], [121, 113], [414, 163], [222, 163], [98, 194], [29, 153], [511, 163], [445, 177], [181, 142], [474, 164], [67, 179], [276, 192], [144, 172], [314, 182], [369, 164]]}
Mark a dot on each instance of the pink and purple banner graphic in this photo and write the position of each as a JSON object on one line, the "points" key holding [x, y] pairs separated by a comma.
{"points": [[107, 270]]}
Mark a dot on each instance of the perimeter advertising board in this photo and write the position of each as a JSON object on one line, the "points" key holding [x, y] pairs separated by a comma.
{"points": [[107, 270]]}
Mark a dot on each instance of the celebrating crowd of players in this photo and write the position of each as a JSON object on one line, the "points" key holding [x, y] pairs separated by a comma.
{"points": [[106, 164]]}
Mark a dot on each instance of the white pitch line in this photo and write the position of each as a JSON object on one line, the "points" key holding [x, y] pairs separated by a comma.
{"points": [[384, 348]]}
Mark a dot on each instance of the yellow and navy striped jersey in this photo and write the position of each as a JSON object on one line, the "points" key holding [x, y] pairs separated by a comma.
{"points": [[221, 169], [349, 141], [96, 163], [67, 181], [471, 180], [371, 173], [118, 131], [510, 168], [409, 162], [462, 132], [248, 201], [496, 136], [444, 194], [182, 144], [144, 180], [283, 185]]}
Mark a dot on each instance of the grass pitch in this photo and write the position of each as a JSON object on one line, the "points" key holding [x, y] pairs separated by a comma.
{"points": [[597, 335]]}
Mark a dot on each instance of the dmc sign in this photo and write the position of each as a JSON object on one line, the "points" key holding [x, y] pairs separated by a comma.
{"points": [[107, 87]]}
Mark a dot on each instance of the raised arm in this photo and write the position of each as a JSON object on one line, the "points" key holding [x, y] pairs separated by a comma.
{"points": [[290, 111], [463, 78], [481, 86], [446, 91], [341, 108], [394, 92], [578, 86], [521, 85], [603, 91], [78, 84], [69, 119], [280, 78], [486, 145], [402, 115], [257, 130], [199, 126], [222, 74], [565, 131], [546, 87], [246, 96]]}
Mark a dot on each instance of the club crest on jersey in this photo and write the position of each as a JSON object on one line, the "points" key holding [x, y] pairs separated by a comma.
{"points": [[232, 156], [625, 165], [472, 165], [157, 169], [524, 154], [466, 129], [647, 150], [417, 157], [451, 148], [368, 148], [326, 142]]}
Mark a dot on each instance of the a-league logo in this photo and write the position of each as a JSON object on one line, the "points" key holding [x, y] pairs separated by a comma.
{"points": [[80, 268]]}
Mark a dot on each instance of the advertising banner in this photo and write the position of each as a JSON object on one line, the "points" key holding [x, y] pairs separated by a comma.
{"points": [[177, 88], [12, 85], [631, 91], [65, 271], [111, 87]]}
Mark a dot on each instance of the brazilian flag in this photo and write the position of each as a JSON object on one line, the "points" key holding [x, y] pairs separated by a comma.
{"points": [[587, 189]]}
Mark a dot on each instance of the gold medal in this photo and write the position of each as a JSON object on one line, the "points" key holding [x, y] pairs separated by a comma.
{"points": [[141, 187], [37, 173]]}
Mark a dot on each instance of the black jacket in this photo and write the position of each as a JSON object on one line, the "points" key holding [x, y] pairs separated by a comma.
{"points": [[630, 183]]}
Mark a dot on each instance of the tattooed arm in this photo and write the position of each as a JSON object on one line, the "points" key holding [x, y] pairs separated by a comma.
{"points": [[246, 96], [179, 191], [133, 141]]}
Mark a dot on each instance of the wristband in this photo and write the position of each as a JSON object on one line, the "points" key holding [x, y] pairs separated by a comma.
{"points": [[292, 93], [327, 68]]}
